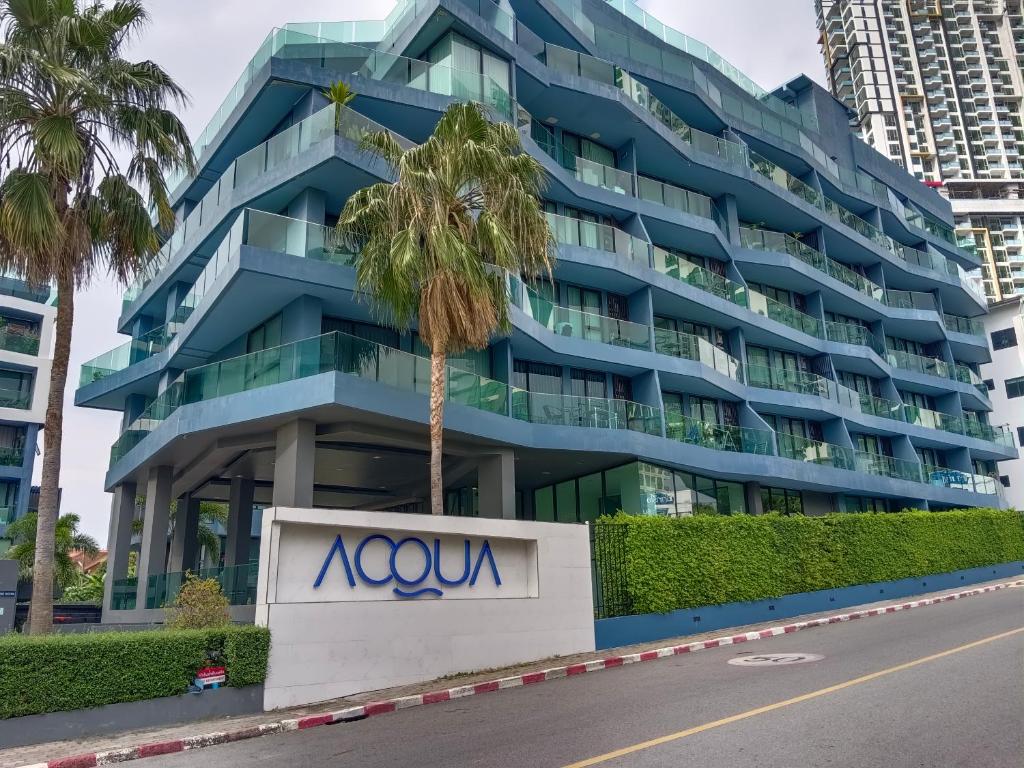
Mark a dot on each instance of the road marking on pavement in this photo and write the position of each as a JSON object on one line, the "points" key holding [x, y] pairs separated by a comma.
{"points": [[788, 702], [775, 659]]}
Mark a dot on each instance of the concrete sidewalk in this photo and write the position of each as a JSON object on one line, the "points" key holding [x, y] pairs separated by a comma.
{"points": [[88, 752]]}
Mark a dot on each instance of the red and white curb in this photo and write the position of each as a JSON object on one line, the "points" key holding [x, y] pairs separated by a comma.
{"points": [[392, 705]]}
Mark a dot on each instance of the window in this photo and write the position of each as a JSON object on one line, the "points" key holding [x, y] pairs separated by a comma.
{"points": [[1015, 387], [989, 384], [1005, 480], [1020, 437], [1004, 339], [782, 501]]}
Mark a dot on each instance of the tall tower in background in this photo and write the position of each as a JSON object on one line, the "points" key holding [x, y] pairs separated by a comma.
{"points": [[936, 86]]}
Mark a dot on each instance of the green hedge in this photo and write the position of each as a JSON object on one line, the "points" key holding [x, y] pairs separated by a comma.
{"points": [[660, 564], [65, 672]]}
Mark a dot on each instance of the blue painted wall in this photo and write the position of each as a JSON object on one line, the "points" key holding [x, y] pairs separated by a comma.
{"points": [[625, 630]]}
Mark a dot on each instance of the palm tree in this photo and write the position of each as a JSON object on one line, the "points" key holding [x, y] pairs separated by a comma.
{"points": [[67, 537], [70, 104], [436, 244]]}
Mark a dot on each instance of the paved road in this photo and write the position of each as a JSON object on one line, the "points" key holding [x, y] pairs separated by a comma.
{"points": [[944, 687]]}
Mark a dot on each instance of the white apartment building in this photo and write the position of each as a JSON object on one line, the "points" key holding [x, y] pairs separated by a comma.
{"points": [[1004, 377], [936, 85]]}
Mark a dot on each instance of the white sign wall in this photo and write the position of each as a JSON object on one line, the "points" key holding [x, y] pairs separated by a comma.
{"points": [[360, 601]]}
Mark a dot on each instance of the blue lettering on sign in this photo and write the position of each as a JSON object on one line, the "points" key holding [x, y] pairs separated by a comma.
{"points": [[431, 564]]}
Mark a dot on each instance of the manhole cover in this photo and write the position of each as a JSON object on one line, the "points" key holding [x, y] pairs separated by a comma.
{"points": [[774, 659]]}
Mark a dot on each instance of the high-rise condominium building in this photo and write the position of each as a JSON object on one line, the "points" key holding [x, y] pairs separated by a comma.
{"points": [[751, 310], [26, 340], [936, 86]]}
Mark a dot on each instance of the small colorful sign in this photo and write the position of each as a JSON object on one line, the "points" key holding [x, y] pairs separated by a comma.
{"points": [[211, 677]]}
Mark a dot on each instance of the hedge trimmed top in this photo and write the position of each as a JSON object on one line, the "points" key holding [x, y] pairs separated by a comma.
{"points": [[672, 563]]}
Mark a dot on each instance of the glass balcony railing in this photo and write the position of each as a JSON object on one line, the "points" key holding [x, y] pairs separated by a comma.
{"points": [[1000, 435], [785, 314], [237, 583], [815, 452], [966, 375], [686, 272], [923, 417], [332, 352], [11, 284], [782, 379], [908, 361], [13, 456], [719, 437], [601, 237], [578, 324], [276, 151], [963, 481], [873, 406], [887, 466], [684, 200], [778, 242], [586, 171], [23, 342], [968, 325], [690, 347], [910, 300], [590, 412], [707, 143], [120, 358], [13, 398], [850, 333]]}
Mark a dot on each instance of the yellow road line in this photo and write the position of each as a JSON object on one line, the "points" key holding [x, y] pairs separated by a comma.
{"points": [[788, 702]]}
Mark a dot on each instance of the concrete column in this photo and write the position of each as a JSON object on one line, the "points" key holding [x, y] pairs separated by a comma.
{"points": [[727, 206], [301, 319], [240, 503], [119, 538], [175, 294], [153, 555], [310, 205], [293, 465], [752, 496], [496, 485], [184, 544]]}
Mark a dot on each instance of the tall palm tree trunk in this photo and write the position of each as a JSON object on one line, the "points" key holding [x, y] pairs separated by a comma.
{"points": [[41, 612], [437, 387]]}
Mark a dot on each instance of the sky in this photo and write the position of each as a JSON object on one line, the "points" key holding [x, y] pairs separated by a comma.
{"points": [[205, 44]]}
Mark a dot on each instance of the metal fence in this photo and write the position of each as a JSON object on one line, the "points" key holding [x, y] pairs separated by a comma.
{"points": [[608, 570]]}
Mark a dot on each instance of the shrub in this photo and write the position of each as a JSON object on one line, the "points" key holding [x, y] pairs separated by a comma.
{"points": [[64, 672], [667, 564], [199, 604]]}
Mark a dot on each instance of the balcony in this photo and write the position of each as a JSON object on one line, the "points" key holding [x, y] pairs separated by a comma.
{"points": [[719, 437], [783, 313], [11, 398], [273, 153], [13, 456], [683, 200], [601, 237], [815, 452], [849, 333], [685, 272], [587, 171], [690, 347], [887, 466], [777, 242], [910, 300], [908, 361], [782, 379], [22, 342], [590, 412], [120, 358], [578, 324], [968, 325], [922, 417], [332, 352]]}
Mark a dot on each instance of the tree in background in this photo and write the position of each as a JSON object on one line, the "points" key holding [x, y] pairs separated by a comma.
{"points": [[67, 538], [70, 103], [437, 244]]}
